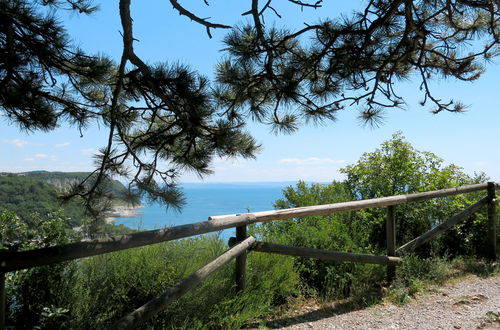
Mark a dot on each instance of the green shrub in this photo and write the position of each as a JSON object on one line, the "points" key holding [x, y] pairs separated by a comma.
{"points": [[415, 274], [336, 232], [398, 168], [37, 297], [110, 286]]}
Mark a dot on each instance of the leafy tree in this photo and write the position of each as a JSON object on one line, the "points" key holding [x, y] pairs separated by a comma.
{"points": [[158, 113], [398, 168]]}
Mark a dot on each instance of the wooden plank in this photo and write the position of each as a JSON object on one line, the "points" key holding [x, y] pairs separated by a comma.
{"points": [[241, 260], [173, 293], [492, 220], [391, 239], [324, 254], [357, 205], [442, 227], [391, 231], [10, 261]]}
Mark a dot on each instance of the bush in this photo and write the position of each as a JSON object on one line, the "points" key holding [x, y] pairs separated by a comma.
{"points": [[415, 274], [37, 297], [335, 232], [398, 168]]}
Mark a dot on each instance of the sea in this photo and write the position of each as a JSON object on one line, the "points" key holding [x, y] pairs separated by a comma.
{"points": [[209, 199]]}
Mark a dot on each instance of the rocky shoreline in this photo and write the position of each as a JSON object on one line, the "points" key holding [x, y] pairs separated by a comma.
{"points": [[123, 211]]}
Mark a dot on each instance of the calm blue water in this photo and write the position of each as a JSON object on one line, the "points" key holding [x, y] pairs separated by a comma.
{"points": [[208, 199]]}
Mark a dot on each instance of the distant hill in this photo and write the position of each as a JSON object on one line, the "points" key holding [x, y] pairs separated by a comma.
{"points": [[64, 180], [37, 192], [25, 195]]}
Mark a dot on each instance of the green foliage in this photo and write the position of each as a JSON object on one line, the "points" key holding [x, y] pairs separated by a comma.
{"points": [[166, 119], [417, 275], [335, 232], [394, 168], [479, 267], [398, 168], [64, 181], [16, 234], [95, 292], [414, 275], [24, 195], [13, 230], [110, 286], [33, 196], [37, 297]]}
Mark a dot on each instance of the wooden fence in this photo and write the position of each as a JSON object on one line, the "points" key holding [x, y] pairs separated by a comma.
{"points": [[12, 261]]}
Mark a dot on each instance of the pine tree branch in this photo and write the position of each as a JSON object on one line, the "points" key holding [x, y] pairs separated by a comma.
{"points": [[209, 25]]}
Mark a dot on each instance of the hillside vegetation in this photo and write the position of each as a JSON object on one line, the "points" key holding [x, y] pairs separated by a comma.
{"points": [[26, 196], [64, 180], [35, 196]]}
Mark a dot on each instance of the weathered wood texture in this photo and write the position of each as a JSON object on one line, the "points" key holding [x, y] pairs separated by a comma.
{"points": [[10, 261], [143, 313], [442, 227], [492, 223], [358, 205], [324, 254], [390, 227], [241, 260]]}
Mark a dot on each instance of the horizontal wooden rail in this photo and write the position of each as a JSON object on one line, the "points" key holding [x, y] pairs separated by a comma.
{"points": [[442, 227], [11, 261], [143, 313], [358, 205], [324, 254]]}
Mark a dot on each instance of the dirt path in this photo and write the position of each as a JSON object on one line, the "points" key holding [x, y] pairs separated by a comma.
{"points": [[471, 303]]}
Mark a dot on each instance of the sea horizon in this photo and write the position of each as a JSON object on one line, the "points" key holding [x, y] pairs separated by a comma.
{"points": [[205, 199]]}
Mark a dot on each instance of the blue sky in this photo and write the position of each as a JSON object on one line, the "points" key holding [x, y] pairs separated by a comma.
{"points": [[469, 140]]}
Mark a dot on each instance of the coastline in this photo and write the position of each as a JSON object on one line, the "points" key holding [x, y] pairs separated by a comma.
{"points": [[122, 211]]}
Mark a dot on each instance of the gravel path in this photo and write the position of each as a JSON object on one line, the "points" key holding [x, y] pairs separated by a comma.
{"points": [[472, 303]]}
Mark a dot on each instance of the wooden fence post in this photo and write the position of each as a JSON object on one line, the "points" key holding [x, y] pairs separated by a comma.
{"points": [[3, 306], [241, 260], [492, 219], [391, 240], [171, 294]]}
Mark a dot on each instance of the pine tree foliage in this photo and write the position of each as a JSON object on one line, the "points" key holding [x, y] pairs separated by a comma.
{"points": [[285, 77], [164, 119]]}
